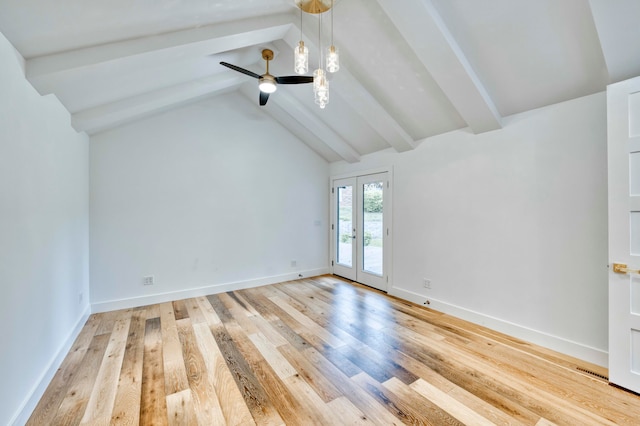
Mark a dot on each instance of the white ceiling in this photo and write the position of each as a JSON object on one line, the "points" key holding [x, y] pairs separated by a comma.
{"points": [[410, 69]]}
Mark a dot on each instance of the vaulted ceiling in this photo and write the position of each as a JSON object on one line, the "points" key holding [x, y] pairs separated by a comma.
{"points": [[410, 69]]}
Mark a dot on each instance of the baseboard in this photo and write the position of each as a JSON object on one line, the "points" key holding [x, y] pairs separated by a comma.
{"points": [[112, 305], [32, 399], [565, 346]]}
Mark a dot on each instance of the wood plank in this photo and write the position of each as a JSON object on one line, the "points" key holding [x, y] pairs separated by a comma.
{"points": [[220, 309], [151, 311], [203, 395], [405, 406], [258, 299], [195, 311], [153, 403], [276, 360], [315, 408], [279, 320], [347, 412], [107, 321], [126, 409], [207, 311], [289, 409], [313, 327], [102, 398], [253, 392], [269, 331], [336, 357], [175, 374], [545, 422], [498, 415], [442, 400], [292, 338], [373, 410], [238, 310], [180, 409], [228, 396], [239, 300], [180, 310], [315, 378]]}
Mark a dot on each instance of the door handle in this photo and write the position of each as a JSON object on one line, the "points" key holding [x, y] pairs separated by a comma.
{"points": [[621, 268]]}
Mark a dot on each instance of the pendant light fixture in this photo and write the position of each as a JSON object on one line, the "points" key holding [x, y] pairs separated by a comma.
{"points": [[301, 54], [333, 58], [320, 82]]}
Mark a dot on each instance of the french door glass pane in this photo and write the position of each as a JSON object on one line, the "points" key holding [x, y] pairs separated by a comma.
{"points": [[345, 225], [372, 227]]}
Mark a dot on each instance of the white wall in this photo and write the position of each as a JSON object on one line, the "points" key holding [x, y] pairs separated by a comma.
{"points": [[510, 226], [204, 200], [43, 237]]}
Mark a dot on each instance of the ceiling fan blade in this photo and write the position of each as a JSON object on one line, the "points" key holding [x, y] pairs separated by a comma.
{"points": [[264, 97], [242, 70], [294, 79]]}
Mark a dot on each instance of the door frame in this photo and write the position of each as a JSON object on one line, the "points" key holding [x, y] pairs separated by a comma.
{"points": [[388, 246], [337, 268], [622, 318]]}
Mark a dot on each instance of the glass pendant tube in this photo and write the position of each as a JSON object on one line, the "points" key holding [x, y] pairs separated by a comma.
{"points": [[333, 56], [301, 58], [333, 59], [320, 82], [301, 54], [320, 88]]}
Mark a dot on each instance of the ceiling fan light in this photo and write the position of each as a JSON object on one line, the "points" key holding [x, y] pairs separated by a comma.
{"points": [[267, 83], [333, 59], [301, 58]]}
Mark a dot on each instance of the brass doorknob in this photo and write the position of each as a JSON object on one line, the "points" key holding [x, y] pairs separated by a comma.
{"points": [[621, 268]]}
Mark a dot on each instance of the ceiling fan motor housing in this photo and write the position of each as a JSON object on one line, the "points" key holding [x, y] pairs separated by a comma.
{"points": [[267, 83]]}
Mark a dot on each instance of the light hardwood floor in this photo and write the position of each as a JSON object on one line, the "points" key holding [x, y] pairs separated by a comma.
{"points": [[317, 351]]}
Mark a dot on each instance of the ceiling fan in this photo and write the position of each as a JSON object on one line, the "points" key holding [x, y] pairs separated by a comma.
{"points": [[267, 82]]}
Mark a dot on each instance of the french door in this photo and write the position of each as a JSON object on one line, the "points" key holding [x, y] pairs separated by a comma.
{"points": [[360, 229], [623, 110]]}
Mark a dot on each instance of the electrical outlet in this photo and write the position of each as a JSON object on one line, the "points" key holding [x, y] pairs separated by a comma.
{"points": [[148, 280], [294, 263], [80, 298], [426, 283]]}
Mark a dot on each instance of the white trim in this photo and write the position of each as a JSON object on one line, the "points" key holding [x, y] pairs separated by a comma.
{"points": [[559, 344], [33, 397], [388, 169], [112, 305]]}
